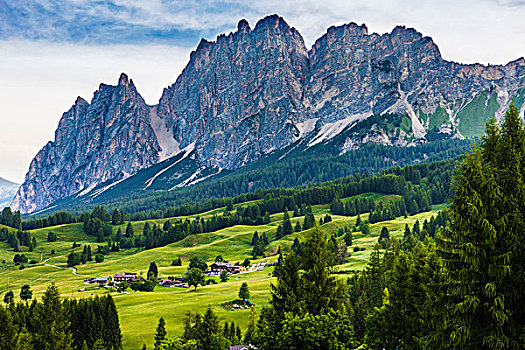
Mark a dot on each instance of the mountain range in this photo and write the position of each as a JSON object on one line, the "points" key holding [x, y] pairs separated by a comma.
{"points": [[7, 192], [259, 91]]}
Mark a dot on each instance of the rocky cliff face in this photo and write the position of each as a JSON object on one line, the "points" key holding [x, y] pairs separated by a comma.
{"points": [[258, 90], [109, 138], [240, 96]]}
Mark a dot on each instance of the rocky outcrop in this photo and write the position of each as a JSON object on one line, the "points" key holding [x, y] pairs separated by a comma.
{"points": [[257, 90], [109, 138]]}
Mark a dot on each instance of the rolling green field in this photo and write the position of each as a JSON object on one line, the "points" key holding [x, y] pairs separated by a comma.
{"points": [[139, 311]]}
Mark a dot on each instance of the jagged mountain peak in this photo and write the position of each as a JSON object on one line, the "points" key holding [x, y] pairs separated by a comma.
{"points": [[272, 22], [254, 91], [124, 80], [80, 101], [243, 26], [351, 29], [94, 142]]}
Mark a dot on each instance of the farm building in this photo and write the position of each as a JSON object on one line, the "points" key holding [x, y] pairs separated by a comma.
{"points": [[125, 277], [217, 267], [97, 280], [174, 283]]}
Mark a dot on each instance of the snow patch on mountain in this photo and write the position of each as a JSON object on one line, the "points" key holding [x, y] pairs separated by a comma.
{"points": [[331, 130], [190, 180], [168, 145], [402, 105], [105, 188], [187, 150], [86, 190], [306, 127]]}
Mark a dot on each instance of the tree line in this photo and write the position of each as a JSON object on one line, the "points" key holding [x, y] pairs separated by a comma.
{"points": [[302, 168], [54, 323]]}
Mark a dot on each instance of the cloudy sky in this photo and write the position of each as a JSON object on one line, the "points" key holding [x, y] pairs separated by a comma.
{"points": [[53, 51]]}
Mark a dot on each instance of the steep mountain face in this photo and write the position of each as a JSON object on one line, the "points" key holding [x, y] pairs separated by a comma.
{"points": [[401, 72], [109, 138], [7, 192], [259, 90], [240, 96]]}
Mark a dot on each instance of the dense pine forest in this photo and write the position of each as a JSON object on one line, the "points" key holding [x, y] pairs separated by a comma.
{"points": [[54, 323]]}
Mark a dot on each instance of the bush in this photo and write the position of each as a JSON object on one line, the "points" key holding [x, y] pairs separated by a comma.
{"points": [[73, 259], [21, 267], [99, 258], [146, 286], [20, 259], [33, 262], [52, 237], [211, 281]]}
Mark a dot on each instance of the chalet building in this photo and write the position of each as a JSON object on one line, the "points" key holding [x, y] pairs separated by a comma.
{"points": [[97, 280], [174, 283], [217, 267], [125, 277]]}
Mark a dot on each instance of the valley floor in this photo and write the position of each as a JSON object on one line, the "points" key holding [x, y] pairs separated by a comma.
{"points": [[139, 311]]}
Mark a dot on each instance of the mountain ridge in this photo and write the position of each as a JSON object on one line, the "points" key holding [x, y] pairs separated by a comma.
{"points": [[255, 91], [7, 192]]}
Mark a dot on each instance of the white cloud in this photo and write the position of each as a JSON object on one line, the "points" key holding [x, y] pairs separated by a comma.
{"points": [[40, 81]]}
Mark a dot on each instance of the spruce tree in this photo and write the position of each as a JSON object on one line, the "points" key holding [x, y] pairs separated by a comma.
{"points": [[9, 338], [51, 324], [111, 333], [129, 230], [160, 333], [482, 249], [153, 271], [384, 237], [348, 238], [118, 236], [286, 294], [244, 292], [252, 324], [255, 238], [287, 225], [319, 288], [115, 217]]}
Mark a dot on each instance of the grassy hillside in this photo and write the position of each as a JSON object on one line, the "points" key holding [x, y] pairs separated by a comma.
{"points": [[140, 311]]}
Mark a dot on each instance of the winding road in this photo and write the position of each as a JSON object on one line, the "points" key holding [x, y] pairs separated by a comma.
{"points": [[74, 270]]}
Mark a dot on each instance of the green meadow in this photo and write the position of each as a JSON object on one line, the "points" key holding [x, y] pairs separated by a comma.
{"points": [[139, 311]]}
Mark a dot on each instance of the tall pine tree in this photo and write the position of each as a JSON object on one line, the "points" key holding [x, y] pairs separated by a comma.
{"points": [[483, 249]]}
